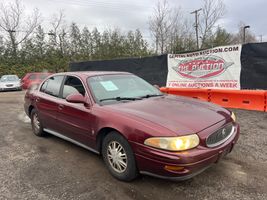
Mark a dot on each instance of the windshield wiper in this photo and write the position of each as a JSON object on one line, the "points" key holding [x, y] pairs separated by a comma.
{"points": [[121, 98], [151, 95]]}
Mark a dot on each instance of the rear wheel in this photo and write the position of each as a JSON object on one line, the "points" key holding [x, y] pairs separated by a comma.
{"points": [[118, 157], [37, 127]]}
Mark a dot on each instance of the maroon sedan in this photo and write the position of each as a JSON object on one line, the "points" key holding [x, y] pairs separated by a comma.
{"points": [[135, 127]]}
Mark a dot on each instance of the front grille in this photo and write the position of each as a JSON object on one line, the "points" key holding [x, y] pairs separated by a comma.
{"points": [[220, 136], [9, 85]]}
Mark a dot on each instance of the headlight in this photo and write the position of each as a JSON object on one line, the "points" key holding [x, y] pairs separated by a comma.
{"points": [[173, 143], [233, 116]]}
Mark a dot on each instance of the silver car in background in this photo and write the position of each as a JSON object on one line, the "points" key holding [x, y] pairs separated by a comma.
{"points": [[10, 82]]}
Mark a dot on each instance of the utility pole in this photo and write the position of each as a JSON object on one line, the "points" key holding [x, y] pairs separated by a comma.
{"points": [[260, 38], [196, 23], [244, 33]]}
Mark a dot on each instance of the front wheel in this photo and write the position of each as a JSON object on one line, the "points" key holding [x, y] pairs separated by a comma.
{"points": [[118, 157], [37, 127]]}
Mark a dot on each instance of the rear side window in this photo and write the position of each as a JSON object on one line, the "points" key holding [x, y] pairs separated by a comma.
{"points": [[52, 85], [72, 85], [43, 76], [32, 77]]}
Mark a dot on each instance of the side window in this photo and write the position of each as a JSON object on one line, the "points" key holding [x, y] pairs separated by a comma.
{"points": [[72, 85], [43, 76], [32, 77], [52, 85]]}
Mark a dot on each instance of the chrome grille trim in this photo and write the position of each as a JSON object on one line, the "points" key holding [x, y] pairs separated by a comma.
{"points": [[223, 140]]}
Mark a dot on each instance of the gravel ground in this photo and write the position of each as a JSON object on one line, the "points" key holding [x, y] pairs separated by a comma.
{"points": [[50, 168]]}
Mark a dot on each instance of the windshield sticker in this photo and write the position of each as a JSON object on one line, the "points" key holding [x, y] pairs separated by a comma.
{"points": [[109, 85]]}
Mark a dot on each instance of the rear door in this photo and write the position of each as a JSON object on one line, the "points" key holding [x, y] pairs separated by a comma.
{"points": [[47, 102], [75, 120]]}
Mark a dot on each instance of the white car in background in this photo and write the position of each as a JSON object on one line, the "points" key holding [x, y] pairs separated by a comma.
{"points": [[10, 82]]}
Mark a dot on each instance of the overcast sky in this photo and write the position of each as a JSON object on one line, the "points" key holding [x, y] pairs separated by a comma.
{"points": [[133, 14]]}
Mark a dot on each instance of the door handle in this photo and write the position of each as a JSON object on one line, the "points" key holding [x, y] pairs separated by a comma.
{"points": [[60, 107]]}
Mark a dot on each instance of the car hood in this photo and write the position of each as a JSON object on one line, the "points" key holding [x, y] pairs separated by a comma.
{"points": [[179, 114], [10, 82]]}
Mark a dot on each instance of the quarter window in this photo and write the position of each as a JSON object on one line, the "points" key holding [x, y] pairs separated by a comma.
{"points": [[44, 86], [52, 85]]}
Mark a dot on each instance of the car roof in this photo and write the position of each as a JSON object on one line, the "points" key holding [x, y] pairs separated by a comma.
{"points": [[38, 73], [8, 75], [92, 73]]}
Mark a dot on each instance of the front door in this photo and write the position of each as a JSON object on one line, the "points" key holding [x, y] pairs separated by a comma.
{"points": [[75, 119]]}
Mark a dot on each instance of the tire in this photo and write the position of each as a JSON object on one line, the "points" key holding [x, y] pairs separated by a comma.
{"points": [[124, 167], [37, 127]]}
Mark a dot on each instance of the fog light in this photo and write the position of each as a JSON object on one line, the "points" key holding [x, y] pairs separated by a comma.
{"points": [[173, 168]]}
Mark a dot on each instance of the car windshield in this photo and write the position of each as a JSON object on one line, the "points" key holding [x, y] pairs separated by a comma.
{"points": [[9, 78], [114, 88]]}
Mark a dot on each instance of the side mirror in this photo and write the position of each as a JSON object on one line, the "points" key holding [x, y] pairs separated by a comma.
{"points": [[76, 98]]}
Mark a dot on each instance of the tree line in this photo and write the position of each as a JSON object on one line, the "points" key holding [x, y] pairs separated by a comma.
{"points": [[26, 46]]}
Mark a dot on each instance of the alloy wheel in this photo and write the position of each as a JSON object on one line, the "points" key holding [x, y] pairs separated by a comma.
{"points": [[117, 156]]}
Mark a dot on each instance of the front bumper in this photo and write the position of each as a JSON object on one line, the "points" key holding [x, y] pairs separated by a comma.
{"points": [[13, 88], [181, 165]]}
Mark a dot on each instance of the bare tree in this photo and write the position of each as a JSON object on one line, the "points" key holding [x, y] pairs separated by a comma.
{"points": [[213, 10], [56, 23], [58, 32], [184, 37], [177, 28], [12, 21], [169, 28], [160, 26]]}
